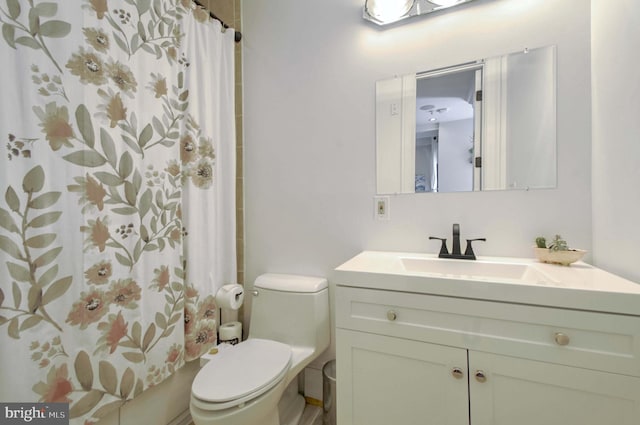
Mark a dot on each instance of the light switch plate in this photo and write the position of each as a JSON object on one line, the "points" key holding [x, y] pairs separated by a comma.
{"points": [[381, 207]]}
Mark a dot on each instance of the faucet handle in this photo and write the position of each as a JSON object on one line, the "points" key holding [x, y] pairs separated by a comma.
{"points": [[443, 246], [468, 252]]}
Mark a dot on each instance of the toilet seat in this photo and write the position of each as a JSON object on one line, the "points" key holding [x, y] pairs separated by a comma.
{"points": [[241, 373]]}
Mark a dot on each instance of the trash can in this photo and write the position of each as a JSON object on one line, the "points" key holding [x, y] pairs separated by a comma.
{"points": [[329, 393]]}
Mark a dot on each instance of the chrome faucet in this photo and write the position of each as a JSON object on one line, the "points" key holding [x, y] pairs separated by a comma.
{"points": [[455, 252]]}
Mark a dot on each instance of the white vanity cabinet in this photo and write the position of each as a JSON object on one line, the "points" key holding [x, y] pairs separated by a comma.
{"points": [[411, 358]]}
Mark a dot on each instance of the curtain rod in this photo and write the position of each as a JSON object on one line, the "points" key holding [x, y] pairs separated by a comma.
{"points": [[238, 34]]}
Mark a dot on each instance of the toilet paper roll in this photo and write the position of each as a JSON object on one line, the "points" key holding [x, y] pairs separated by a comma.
{"points": [[231, 332], [230, 296]]}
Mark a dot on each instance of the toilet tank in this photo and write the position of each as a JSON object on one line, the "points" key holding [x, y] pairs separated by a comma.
{"points": [[291, 309]]}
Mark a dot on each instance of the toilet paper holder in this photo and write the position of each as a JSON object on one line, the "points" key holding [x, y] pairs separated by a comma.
{"points": [[230, 298]]}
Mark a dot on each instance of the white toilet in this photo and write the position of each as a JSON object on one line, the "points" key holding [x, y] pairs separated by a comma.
{"points": [[244, 384]]}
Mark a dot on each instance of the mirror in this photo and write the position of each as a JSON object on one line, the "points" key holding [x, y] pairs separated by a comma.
{"points": [[484, 125]]}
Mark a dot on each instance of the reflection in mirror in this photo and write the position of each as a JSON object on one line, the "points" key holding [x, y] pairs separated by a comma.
{"points": [[445, 126], [485, 125]]}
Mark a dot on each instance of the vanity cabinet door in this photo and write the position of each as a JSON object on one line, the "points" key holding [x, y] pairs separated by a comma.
{"points": [[507, 390], [383, 380]]}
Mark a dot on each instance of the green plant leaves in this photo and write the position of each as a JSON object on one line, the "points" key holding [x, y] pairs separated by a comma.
{"points": [[145, 202], [47, 257], [133, 356], [18, 273], [7, 222], [86, 158], [130, 193], [34, 298], [45, 200], [26, 271], [40, 241], [108, 147], [126, 383], [146, 134], [83, 118], [126, 165], [143, 6], [148, 337], [108, 178], [14, 8], [13, 330], [17, 295], [10, 247], [9, 35], [33, 181], [84, 371], [45, 219], [47, 277], [47, 9], [57, 289], [55, 29], [86, 403], [30, 322], [136, 333], [108, 376], [11, 198], [28, 42]]}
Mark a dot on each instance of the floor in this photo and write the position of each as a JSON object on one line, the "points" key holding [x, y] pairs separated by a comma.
{"points": [[312, 416]]}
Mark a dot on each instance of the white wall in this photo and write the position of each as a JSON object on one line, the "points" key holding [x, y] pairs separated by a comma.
{"points": [[309, 82], [309, 125], [616, 136]]}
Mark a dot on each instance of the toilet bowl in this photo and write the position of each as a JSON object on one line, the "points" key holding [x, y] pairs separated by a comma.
{"points": [[244, 384]]}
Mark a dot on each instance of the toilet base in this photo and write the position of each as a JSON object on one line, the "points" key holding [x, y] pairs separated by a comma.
{"points": [[260, 411], [291, 405]]}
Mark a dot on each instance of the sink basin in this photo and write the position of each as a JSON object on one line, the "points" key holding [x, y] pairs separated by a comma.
{"points": [[472, 269], [501, 269]]}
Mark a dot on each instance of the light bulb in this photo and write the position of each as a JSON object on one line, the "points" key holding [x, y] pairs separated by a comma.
{"points": [[444, 3], [387, 11]]}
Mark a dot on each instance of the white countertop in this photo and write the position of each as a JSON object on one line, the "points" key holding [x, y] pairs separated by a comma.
{"points": [[579, 286]]}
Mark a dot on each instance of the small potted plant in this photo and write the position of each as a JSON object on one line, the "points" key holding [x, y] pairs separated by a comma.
{"points": [[558, 251]]}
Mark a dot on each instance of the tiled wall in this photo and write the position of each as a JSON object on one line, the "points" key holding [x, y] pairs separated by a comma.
{"points": [[229, 12]]}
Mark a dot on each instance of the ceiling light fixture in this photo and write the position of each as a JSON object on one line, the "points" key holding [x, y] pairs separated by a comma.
{"points": [[387, 11], [384, 12], [445, 3]]}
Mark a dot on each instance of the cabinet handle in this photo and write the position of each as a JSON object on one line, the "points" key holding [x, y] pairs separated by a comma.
{"points": [[457, 373], [561, 339], [391, 315], [480, 376]]}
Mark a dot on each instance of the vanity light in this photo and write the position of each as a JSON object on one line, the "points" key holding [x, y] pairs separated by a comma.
{"points": [[445, 3], [387, 11], [384, 12]]}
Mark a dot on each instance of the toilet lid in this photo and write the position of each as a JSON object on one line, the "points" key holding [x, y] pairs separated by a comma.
{"points": [[241, 370]]}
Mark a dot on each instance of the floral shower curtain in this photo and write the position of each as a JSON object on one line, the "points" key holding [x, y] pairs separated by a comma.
{"points": [[117, 196]]}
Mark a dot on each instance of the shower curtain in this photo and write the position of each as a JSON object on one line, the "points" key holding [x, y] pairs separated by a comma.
{"points": [[117, 196]]}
